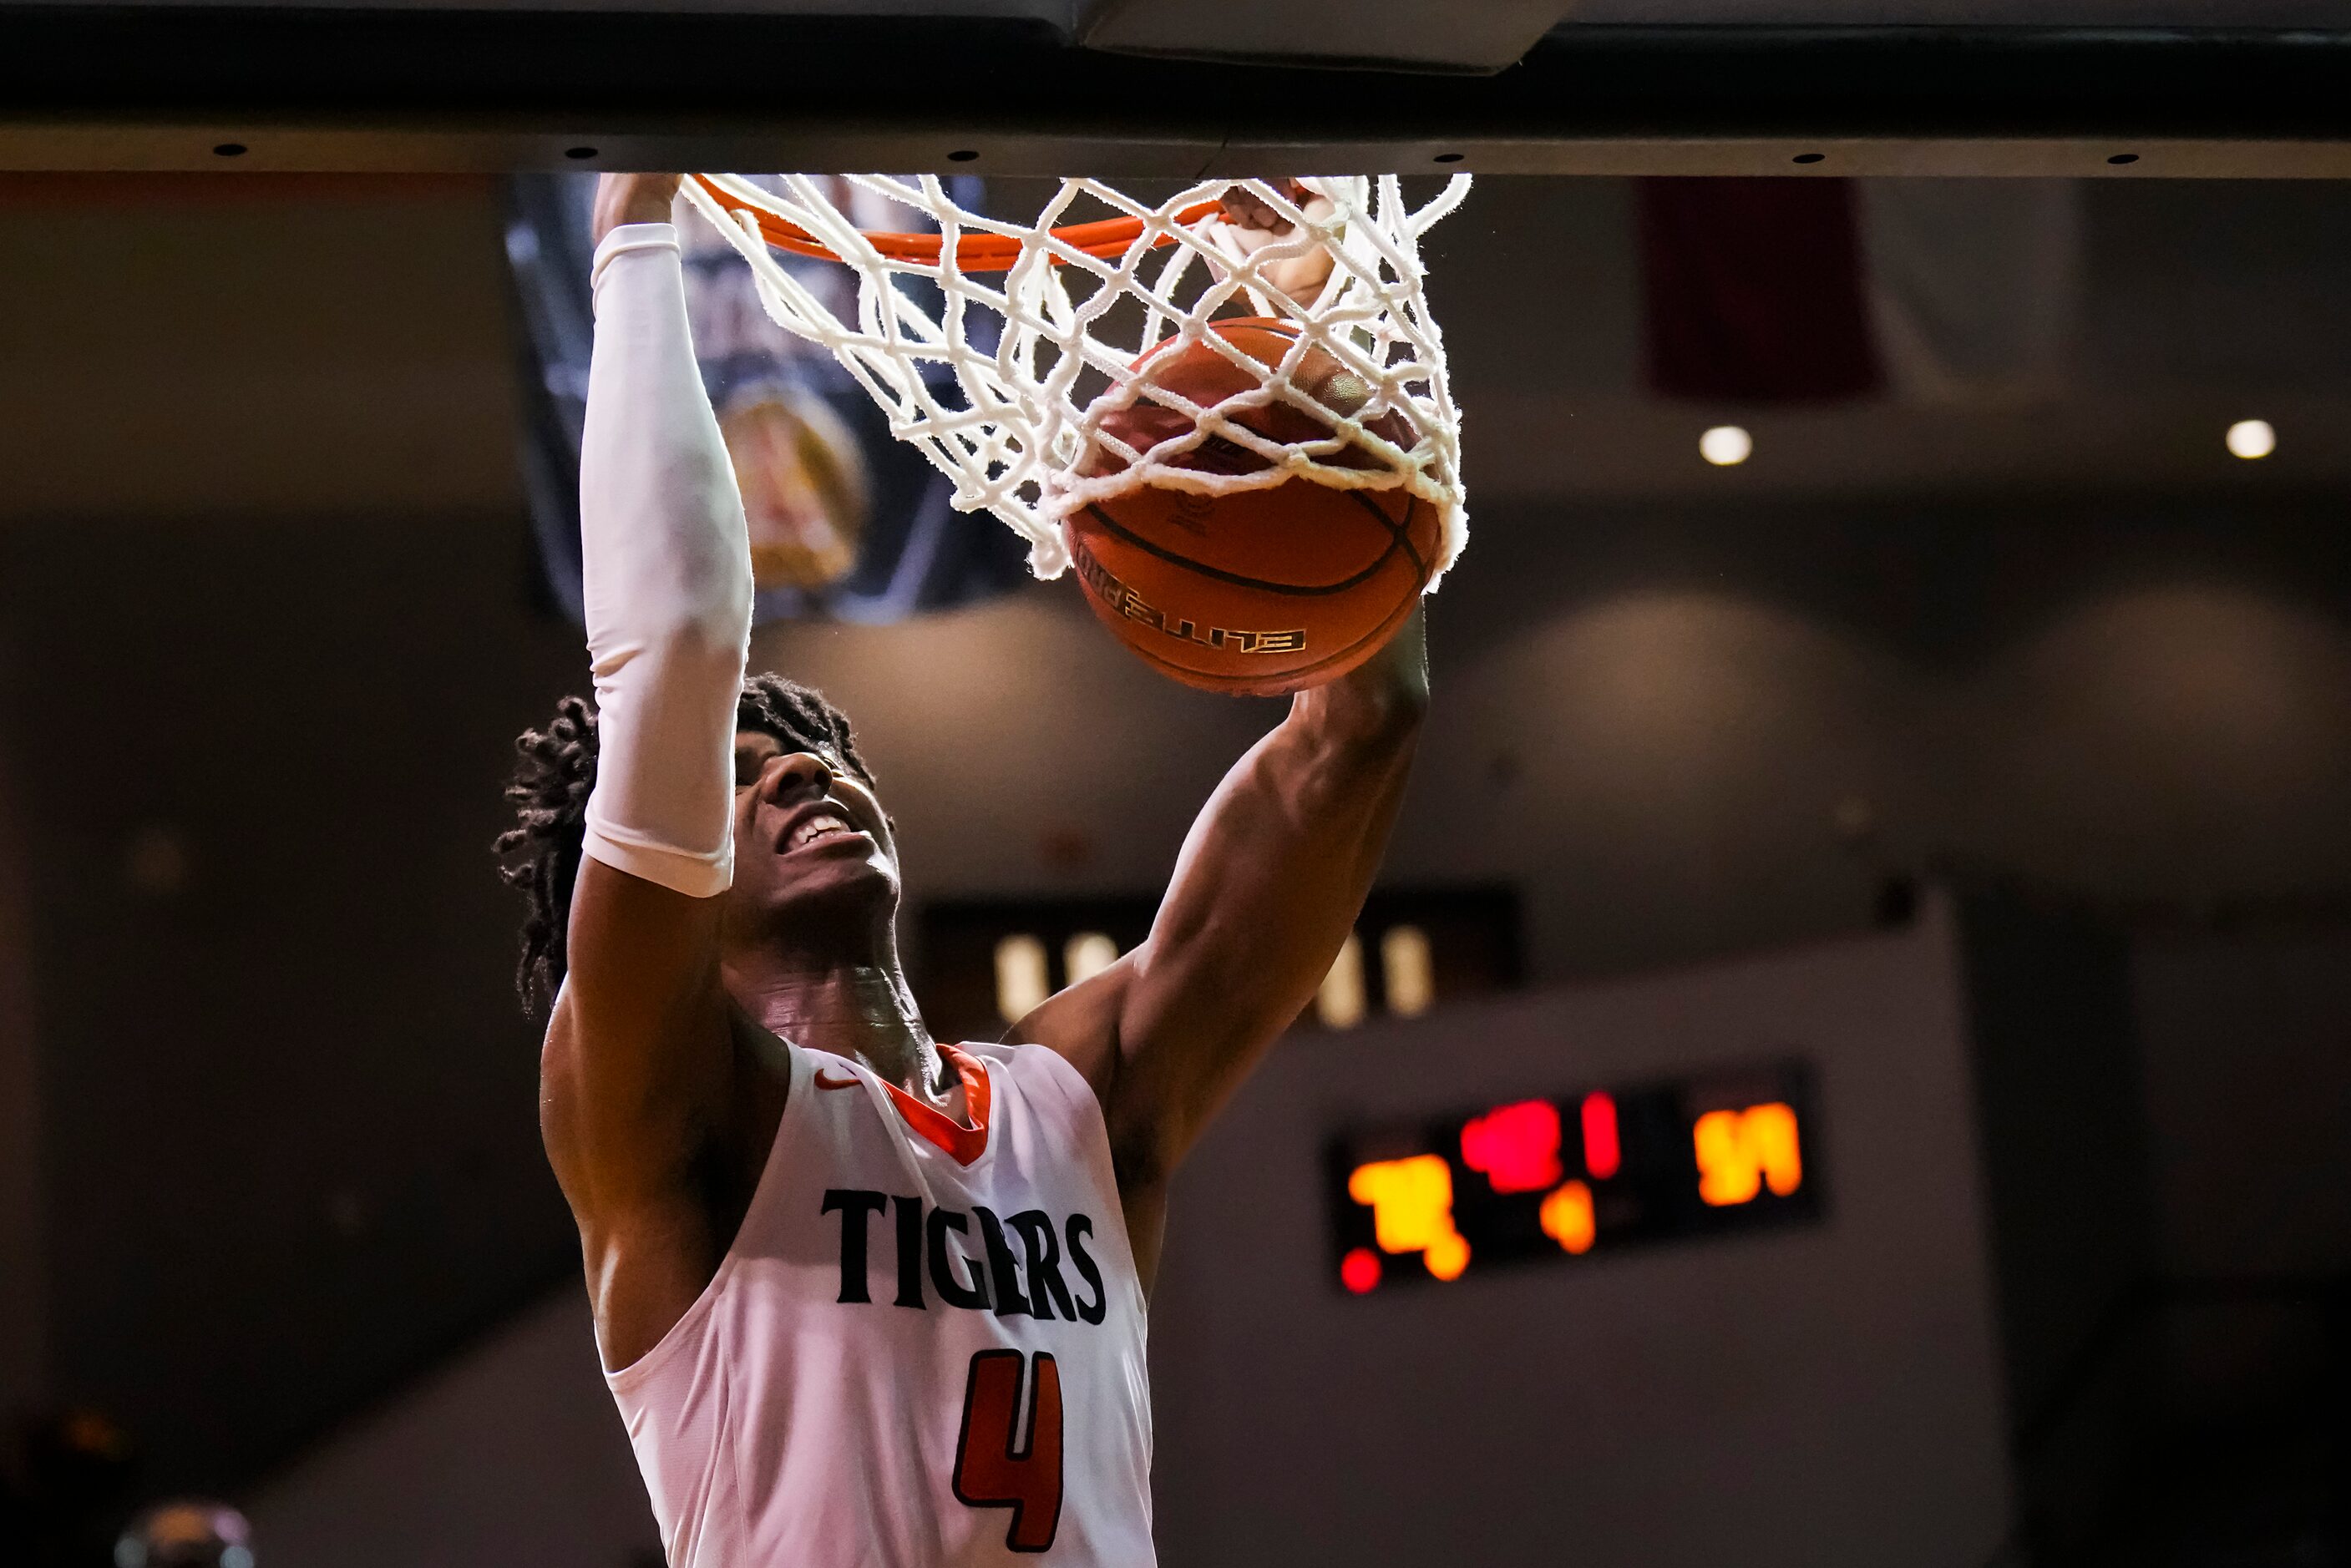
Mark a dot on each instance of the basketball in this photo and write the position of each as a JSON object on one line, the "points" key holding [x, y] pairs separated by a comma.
{"points": [[1258, 592]]}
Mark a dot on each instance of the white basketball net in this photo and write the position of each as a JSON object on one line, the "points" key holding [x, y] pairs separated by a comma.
{"points": [[1023, 345]]}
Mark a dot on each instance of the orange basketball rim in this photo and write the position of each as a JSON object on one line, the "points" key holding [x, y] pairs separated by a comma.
{"points": [[1104, 239]]}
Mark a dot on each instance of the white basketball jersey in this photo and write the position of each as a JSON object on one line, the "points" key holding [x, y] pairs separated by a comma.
{"points": [[925, 1347]]}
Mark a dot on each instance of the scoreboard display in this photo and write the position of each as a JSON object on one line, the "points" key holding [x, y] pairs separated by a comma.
{"points": [[1559, 1180]]}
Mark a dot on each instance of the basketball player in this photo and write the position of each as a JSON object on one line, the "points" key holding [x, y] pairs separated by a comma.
{"points": [[865, 1298]]}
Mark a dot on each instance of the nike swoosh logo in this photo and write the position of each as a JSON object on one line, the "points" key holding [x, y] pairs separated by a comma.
{"points": [[825, 1083]]}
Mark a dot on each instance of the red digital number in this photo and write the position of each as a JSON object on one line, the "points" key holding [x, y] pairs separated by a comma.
{"points": [[994, 1468]]}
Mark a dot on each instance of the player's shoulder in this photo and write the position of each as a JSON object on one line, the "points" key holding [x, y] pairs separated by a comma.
{"points": [[1039, 1072], [1025, 1059]]}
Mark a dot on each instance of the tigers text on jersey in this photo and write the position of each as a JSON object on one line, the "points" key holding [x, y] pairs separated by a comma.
{"points": [[925, 1347]]}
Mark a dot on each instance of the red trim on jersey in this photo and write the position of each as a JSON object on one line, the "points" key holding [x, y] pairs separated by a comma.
{"points": [[960, 1143]]}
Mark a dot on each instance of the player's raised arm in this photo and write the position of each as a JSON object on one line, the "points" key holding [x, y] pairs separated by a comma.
{"points": [[638, 1059], [1268, 884]]}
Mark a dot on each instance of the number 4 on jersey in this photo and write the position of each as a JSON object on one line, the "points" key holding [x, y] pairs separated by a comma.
{"points": [[994, 1468]]}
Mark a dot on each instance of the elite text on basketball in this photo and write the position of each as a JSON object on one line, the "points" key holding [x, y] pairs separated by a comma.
{"points": [[1133, 606]]}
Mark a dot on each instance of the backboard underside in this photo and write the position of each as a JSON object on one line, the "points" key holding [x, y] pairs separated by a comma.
{"points": [[1115, 89]]}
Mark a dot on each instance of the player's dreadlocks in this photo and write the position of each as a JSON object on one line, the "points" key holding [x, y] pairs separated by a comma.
{"points": [[550, 790]]}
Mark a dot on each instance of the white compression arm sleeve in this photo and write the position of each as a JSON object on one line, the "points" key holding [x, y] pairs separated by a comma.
{"points": [[668, 579]]}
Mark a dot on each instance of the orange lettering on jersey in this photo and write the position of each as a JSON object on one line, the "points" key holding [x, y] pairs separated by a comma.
{"points": [[993, 1467]]}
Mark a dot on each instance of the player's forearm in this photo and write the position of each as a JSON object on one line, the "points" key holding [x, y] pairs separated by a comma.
{"points": [[1270, 880], [667, 578], [1275, 869]]}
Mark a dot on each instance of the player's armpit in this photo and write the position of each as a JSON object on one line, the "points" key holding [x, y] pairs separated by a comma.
{"points": [[647, 1264]]}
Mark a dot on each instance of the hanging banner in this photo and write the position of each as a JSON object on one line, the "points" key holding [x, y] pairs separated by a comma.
{"points": [[845, 521], [1752, 291], [1974, 285]]}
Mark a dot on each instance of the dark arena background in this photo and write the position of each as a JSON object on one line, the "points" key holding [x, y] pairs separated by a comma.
{"points": [[1847, 1062]]}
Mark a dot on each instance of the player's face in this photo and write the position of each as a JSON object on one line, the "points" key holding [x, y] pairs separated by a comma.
{"points": [[811, 839]]}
